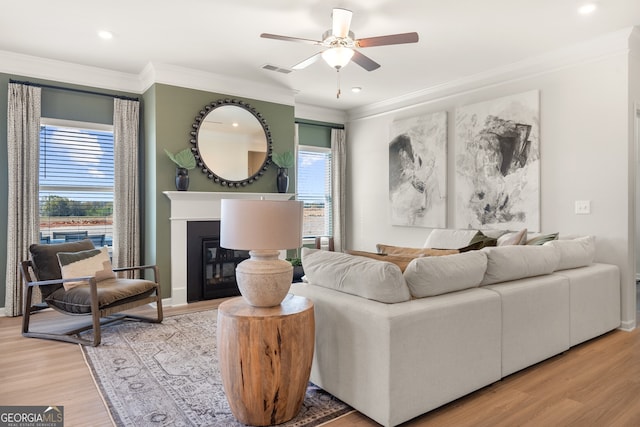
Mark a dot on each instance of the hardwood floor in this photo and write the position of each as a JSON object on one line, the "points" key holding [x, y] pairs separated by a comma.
{"points": [[594, 384]]}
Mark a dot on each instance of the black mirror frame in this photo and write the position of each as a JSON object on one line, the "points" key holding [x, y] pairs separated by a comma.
{"points": [[196, 152]]}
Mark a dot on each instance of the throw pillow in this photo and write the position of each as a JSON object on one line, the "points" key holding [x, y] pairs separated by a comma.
{"points": [[479, 241], [400, 260], [449, 238], [542, 239], [364, 277], [430, 276], [515, 238], [401, 250], [94, 262]]}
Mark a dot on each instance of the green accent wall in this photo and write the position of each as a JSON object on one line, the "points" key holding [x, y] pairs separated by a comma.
{"points": [[168, 115]]}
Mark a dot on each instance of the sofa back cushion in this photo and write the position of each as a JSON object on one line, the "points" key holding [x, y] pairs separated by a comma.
{"points": [[575, 253], [430, 276], [365, 277], [514, 262]]}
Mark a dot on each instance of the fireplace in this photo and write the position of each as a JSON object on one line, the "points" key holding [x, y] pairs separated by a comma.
{"points": [[211, 270], [196, 206]]}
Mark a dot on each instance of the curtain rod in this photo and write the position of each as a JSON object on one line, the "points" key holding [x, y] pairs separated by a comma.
{"points": [[26, 83], [326, 126]]}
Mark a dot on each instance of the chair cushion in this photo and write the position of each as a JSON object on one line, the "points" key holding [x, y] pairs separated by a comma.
{"points": [[94, 262], [45, 262], [110, 292]]}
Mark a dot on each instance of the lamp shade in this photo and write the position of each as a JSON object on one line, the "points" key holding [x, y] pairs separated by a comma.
{"points": [[260, 224], [337, 57]]}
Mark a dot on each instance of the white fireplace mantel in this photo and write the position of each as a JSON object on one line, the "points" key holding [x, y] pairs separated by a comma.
{"points": [[196, 206]]}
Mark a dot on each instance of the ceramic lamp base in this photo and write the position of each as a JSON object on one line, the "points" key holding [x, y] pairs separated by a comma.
{"points": [[263, 279]]}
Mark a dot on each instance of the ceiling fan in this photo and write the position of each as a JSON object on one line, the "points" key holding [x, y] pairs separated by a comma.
{"points": [[340, 43]]}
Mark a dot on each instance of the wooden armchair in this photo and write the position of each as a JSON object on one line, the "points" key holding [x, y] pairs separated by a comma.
{"points": [[103, 294]]}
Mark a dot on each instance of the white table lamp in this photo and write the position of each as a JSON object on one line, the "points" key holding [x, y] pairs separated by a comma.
{"points": [[263, 227]]}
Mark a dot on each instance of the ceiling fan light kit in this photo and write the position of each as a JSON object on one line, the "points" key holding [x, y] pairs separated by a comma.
{"points": [[340, 44]]}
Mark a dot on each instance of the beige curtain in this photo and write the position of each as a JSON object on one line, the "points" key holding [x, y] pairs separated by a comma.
{"points": [[338, 182], [23, 149], [126, 211]]}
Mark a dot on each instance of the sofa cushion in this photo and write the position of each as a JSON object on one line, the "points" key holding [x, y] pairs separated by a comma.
{"points": [[94, 262], [449, 238], [365, 277], [513, 262], [430, 276], [574, 253], [402, 250], [401, 260]]}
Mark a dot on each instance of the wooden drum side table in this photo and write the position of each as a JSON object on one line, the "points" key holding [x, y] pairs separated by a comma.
{"points": [[265, 358]]}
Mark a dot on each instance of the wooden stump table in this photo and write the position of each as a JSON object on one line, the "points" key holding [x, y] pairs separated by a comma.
{"points": [[265, 358]]}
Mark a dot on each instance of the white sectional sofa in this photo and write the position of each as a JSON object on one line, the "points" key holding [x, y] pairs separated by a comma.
{"points": [[393, 353]]}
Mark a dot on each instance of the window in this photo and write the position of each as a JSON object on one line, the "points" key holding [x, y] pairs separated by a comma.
{"points": [[76, 182], [314, 189]]}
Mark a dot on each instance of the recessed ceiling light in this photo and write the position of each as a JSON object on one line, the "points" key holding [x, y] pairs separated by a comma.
{"points": [[587, 8], [235, 124], [356, 89], [105, 35]]}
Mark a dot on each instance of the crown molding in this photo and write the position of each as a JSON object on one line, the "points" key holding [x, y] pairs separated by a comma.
{"points": [[322, 114], [65, 72], [202, 80], [610, 44]]}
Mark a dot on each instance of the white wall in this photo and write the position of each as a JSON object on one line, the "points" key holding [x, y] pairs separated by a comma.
{"points": [[585, 145]]}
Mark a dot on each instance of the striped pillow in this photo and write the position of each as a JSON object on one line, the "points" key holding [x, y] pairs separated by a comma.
{"points": [[94, 262]]}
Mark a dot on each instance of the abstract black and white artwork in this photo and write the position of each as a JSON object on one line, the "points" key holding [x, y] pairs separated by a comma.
{"points": [[418, 171], [497, 163]]}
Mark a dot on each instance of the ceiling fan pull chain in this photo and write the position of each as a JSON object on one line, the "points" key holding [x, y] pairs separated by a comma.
{"points": [[338, 93]]}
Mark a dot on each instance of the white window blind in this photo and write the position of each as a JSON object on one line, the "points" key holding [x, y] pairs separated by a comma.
{"points": [[314, 189], [76, 182]]}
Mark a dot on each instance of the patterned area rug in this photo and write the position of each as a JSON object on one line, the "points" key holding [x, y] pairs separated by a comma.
{"points": [[167, 375]]}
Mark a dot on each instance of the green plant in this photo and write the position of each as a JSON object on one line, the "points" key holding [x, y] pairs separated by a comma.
{"points": [[283, 160], [296, 262], [184, 159]]}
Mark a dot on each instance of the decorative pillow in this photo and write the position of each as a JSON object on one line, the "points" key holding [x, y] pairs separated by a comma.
{"points": [[575, 253], [400, 260], [45, 262], [542, 239], [513, 262], [514, 238], [478, 242], [430, 276], [401, 250], [94, 262], [449, 238], [364, 277]]}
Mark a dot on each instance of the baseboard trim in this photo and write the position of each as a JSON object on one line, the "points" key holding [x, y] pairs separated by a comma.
{"points": [[628, 325]]}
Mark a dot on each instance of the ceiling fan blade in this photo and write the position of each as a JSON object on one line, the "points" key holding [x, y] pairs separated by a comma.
{"points": [[341, 22], [304, 64], [289, 39], [387, 40], [364, 61]]}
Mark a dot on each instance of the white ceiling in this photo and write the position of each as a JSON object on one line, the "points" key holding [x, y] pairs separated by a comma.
{"points": [[458, 38]]}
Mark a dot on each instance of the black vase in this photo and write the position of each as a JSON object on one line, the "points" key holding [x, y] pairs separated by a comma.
{"points": [[282, 180], [182, 179]]}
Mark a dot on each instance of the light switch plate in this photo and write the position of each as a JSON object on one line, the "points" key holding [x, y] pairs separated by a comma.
{"points": [[583, 207]]}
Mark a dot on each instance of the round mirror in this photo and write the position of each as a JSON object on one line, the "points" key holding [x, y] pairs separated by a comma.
{"points": [[232, 142]]}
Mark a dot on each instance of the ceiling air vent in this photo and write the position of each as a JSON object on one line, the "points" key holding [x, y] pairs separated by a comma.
{"points": [[276, 69]]}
